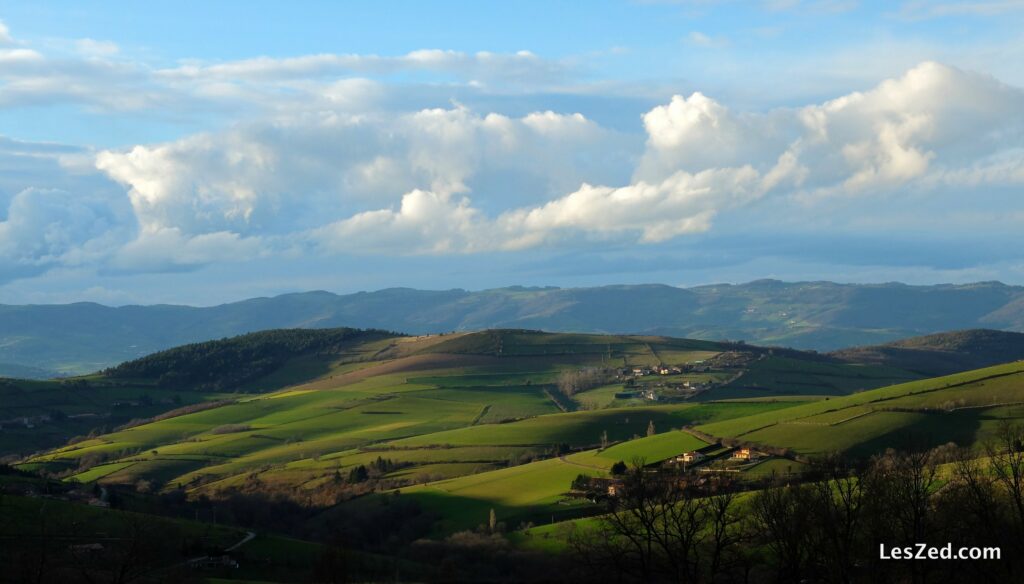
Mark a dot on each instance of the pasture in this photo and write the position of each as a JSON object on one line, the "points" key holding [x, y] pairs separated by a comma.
{"points": [[962, 408]]}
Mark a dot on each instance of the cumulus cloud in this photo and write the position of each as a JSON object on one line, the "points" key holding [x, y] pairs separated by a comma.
{"points": [[44, 228], [333, 181], [933, 119], [294, 173], [425, 181]]}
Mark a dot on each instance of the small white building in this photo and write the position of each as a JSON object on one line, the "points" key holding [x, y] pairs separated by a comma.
{"points": [[690, 457]]}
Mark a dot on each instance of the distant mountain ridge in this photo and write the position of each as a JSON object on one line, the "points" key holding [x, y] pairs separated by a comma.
{"points": [[82, 337]]}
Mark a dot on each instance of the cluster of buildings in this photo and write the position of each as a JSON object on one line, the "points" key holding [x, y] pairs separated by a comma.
{"points": [[641, 371], [599, 487], [739, 454]]}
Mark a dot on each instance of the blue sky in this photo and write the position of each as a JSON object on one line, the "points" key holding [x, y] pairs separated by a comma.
{"points": [[204, 152]]}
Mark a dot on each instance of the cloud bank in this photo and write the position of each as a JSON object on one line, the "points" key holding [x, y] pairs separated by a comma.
{"points": [[333, 162], [430, 181]]}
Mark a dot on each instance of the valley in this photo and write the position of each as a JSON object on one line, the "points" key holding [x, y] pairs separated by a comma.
{"points": [[513, 428]]}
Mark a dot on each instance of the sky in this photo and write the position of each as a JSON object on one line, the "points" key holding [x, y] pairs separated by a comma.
{"points": [[205, 152]]}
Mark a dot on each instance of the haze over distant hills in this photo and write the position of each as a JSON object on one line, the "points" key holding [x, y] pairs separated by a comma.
{"points": [[81, 337]]}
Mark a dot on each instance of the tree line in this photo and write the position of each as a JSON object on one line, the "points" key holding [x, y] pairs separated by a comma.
{"points": [[230, 364]]}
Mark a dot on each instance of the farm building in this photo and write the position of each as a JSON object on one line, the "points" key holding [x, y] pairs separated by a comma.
{"points": [[600, 485], [745, 454], [690, 457]]}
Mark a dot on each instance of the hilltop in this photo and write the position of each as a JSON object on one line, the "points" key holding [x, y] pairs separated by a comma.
{"points": [[942, 353], [232, 364], [40, 340]]}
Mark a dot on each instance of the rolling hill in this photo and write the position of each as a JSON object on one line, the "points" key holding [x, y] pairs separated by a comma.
{"points": [[328, 410], [964, 408], [41, 340], [942, 353], [456, 427], [294, 408]]}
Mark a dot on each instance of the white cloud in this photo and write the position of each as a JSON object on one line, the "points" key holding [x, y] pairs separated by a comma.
{"points": [[481, 63], [451, 180], [428, 181], [933, 117], [53, 227], [296, 172], [5, 35], [169, 249], [699, 39], [95, 48], [425, 222], [95, 75]]}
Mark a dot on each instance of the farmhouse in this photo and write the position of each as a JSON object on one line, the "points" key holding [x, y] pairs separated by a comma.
{"points": [[745, 454], [690, 457], [599, 486]]}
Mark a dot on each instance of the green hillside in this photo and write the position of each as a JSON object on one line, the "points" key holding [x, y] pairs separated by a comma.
{"points": [[342, 430], [239, 362], [37, 415], [942, 353], [439, 406], [962, 408], [434, 407]]}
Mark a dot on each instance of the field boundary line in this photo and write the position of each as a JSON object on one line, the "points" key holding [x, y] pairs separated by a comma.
{"points": [[558, 404], [479, 416]]}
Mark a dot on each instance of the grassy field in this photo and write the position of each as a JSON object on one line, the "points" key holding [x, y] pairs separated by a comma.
{"points": [[467, 421], [962, 408], [535, 492], [529, 493], [650, 449], [778, 376], [36, 415], [448, 421]]}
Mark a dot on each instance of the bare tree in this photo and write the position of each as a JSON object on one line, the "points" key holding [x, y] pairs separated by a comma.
{"points": [[659, 529], [780, 520]]}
